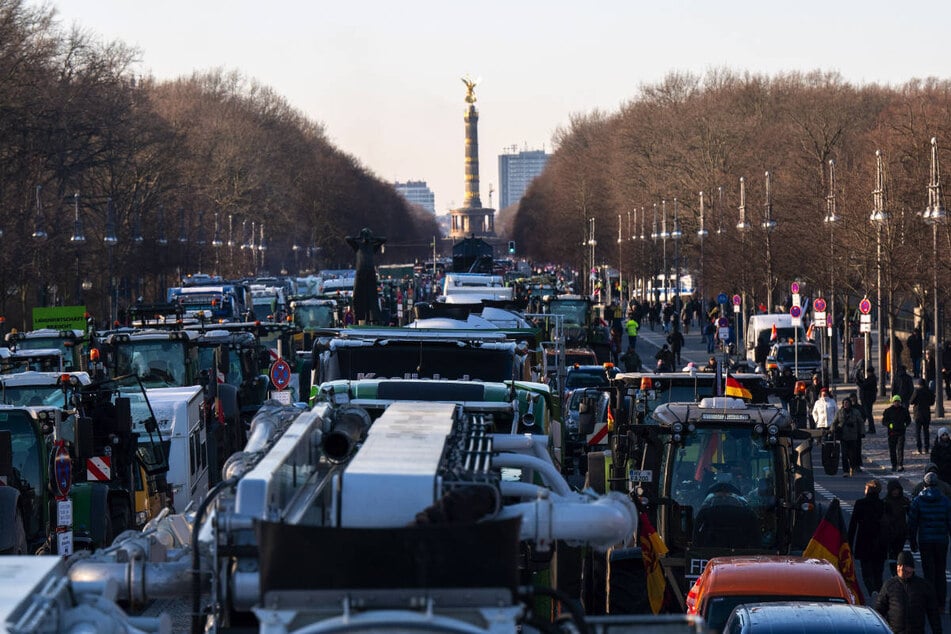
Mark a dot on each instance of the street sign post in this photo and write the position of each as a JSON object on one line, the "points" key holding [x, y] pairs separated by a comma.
{"points": [[280, 374]]}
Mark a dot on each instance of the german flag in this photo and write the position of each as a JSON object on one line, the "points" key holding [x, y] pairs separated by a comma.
{"points": [[735, 388], [830, 542], [652, 547], [773, 335]]}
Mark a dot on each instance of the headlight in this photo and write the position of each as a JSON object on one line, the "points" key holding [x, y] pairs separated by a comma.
{"points": [[773, 430]]}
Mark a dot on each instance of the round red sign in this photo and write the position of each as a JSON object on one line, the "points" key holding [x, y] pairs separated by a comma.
{"points": [[280, 374], [820, 304], [865, 306]]}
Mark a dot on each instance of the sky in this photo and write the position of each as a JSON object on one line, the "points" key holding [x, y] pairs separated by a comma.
{"points": [[383, 76]]}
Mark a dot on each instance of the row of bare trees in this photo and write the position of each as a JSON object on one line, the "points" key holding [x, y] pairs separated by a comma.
{"points": [[691, 134], [188, 167]]}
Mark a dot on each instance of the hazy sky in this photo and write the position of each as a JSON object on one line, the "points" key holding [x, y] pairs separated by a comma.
{"points": [[383, 75]]}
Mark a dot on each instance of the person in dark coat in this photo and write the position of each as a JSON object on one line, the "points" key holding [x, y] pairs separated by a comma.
{"points": [[895, 420], [906, 599], [813, 390], [895, 526], [676, 341], [665, 359], [866, 537], [915, 347], [946, 369], [941, 454], [798, 407], [903, 385], [929, 527], [921, 401], [868, 392], [847, 426], [943, 486]]}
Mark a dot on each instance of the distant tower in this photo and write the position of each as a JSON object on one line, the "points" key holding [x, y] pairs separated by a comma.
{"points": [[472, 219]]}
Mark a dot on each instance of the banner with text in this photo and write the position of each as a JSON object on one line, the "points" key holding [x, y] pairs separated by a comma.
{"points": [[60, 318]]}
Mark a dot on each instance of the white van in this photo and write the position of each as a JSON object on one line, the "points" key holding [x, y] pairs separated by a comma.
{"points": [[760, 328]]}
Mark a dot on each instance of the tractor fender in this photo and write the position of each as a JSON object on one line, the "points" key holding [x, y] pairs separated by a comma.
{"points": [[91, 515], [9, 498]]}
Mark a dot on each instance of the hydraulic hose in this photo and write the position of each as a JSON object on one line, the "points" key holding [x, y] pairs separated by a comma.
{"points": [[196, 565]]}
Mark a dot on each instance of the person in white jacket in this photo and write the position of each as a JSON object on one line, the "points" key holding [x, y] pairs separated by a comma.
{"points": [[823, 412]]}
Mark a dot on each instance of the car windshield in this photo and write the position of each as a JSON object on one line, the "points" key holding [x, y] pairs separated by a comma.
{"points": [[719, 608], [313, 316], [726, 476], [806, 354], [578, 378], [687, 389], [23, 395], [574, 311], [68, 348], [158, 363]]}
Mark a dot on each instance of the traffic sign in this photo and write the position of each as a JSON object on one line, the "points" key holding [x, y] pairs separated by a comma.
{"points": [[819, 304], [795, 311], [62, 471], [794, 288], [280, 374], [723, 322], [865, 306], [722, 298], [737, 300]]}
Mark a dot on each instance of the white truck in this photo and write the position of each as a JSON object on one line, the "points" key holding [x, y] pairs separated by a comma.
{"points": [[760, 329]]}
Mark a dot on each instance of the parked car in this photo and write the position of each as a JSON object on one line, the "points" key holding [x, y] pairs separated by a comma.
{"points": [[727, 582], [802, 617]]}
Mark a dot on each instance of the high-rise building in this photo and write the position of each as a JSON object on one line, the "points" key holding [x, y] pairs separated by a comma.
{"points": [[417, 193], [516, 172]]}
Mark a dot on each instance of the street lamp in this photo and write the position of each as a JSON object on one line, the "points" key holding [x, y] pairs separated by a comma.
{"points": [[654, 236], [878, 218], [591, 244], [620, 275], [77, 240], [936, 215], [830, 219], [768, 225], [702, 233], [663, 236], [110, 239], [676, 235], [744, 227]]}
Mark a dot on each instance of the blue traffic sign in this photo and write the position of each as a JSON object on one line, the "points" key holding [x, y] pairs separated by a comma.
{"points": [[865, 306], [722, 298], [819, 304], [280, 374]]}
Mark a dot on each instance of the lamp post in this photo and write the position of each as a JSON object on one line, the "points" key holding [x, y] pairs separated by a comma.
{"points": [[830, 219], [663, 237], [217, 242], [768, 225], [878, 218], [936, 215], [676, 235], [110, 239], [77, 240], [643, 239], [744, 227], [702, 233], [591, 244], [654, 236], [620, 274]]}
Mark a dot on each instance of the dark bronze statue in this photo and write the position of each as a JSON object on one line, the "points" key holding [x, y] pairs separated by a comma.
{"points": [[366, 305]]}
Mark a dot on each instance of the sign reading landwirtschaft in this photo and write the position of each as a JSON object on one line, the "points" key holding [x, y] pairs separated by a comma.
{"points": [[60, 318]]}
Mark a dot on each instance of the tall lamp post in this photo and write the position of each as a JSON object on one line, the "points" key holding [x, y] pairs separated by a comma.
{"points": [[77, 240], [676, 235], [830, 219], [878, 218], [702, 233], [744, 227], [654, 236], [110, 239], [591, 244], [936, 215], [768, 225], [620, 274], [663, 237]]}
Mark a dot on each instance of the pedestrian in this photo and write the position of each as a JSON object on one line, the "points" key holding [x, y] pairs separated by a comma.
{"points": [[709, 332], [915, 348], [823, 412], [812, 395], [941, 454], [929, 527], [847, 426], [665, 359], [868, 392], [798, 409], [921, 401], [631, 361], [946, 369], [866, 535], [927, 371], [859, 454], [895, 420], [906, 599], [903, 384], [895, 520], [631, 326], [943, 486], [676, 341]]}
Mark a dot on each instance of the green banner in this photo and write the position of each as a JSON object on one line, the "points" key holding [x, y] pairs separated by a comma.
{"points": [[60, 318]]}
